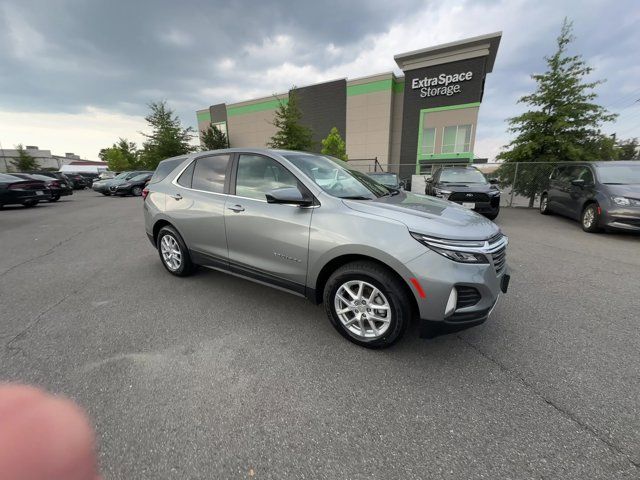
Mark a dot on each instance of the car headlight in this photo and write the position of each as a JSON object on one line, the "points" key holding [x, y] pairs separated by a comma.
{"points": [[457, 250], [442, 193], [625, 202]]}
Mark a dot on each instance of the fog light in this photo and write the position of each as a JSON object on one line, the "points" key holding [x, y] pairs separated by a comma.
{"points": [[451, 303]]}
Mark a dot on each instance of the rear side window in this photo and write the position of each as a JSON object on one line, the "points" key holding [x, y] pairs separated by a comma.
{"points": [[210, 173], [186, 176], [164, 168]]}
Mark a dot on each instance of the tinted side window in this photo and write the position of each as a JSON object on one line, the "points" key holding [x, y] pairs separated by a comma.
{"points": [[586, 175], [164, 168], [258, 175], [210, 172], [186, 176]]}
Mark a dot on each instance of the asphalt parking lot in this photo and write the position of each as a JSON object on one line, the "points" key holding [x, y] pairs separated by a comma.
{"points": [[216, 377]]}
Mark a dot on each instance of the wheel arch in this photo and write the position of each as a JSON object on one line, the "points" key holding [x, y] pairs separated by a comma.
{"points": [[340, 260], [158, 226]]}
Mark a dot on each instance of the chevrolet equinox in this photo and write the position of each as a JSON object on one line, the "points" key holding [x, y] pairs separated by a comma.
{"points": [[309, 224]]}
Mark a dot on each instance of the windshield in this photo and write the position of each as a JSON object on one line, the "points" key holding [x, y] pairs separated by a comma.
{"points": [[8, 178], [619, 174], [336, 178], [462, 175], [121, 175]]}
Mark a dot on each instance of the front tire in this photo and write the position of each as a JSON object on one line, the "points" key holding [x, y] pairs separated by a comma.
{"points": [[367, 304], [590, 218], [544, 204], [493, 215], [173, 252], [30, 203], [55, 198], [106, 194]]}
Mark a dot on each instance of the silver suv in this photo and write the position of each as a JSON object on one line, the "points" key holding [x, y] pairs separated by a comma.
{"points": [[310, 225]]}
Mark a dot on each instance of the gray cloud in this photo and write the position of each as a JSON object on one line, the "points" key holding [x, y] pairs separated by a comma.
{"points": [[64, 55]]}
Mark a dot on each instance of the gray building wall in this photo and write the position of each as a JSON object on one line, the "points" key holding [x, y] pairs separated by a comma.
{"points": [[323, 107]]}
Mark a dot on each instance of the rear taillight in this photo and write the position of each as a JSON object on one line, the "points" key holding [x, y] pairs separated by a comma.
{"points": [[145, 192], [54, 184]]}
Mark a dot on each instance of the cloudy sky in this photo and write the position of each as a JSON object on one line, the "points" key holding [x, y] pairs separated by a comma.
{"points": [[77, 74]]}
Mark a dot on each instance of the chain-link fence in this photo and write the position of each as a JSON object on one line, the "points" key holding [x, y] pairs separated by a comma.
{"points": [[520, 183]]}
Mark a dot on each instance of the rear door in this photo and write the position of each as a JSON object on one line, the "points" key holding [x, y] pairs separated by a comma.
{"points": [[554, 192], [195, 204], [269, 242]]}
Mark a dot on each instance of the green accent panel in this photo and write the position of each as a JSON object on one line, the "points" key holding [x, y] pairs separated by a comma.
{"points": [[398, 86], [371, 87], [256, 107], [204, 116], [450, 107]]}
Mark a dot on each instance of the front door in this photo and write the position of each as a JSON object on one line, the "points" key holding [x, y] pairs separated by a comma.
{"points": [[269, 242]]}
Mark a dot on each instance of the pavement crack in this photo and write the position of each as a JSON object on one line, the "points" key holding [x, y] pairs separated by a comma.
{"points": [[52, 249], [20, 335], [562, 411]]}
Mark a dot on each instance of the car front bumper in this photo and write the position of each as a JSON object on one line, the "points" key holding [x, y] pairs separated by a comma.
{"points": [[438, 275], [623, 218]]}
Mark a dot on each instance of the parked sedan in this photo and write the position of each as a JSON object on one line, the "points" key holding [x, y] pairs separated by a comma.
{"points": [[103, 186], [597, 194], [78, 181], [58, 188], [17, 191], [133, 186], [466, 186]]}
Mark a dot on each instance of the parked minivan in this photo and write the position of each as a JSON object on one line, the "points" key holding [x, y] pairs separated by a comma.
{"points": [[597, 194], [308, 224]]}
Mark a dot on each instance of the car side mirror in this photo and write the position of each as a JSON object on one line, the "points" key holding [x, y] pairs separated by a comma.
{"points": [[428, 179], [578, 182], [494, 181], [288, 196]]}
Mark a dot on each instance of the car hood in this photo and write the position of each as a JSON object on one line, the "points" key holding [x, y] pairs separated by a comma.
{"points": [[629, 191], [429, 216]]}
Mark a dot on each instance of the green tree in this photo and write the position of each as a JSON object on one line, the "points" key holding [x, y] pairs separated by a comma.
{"points": [[334, 145], [562, 123], [628, 149], [168, 137], [291, 134], [213, 138], [24, 162], [116, 159]]}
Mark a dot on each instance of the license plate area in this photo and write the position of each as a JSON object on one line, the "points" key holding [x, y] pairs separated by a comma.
{"points": [[39, 192], [470, 205]]}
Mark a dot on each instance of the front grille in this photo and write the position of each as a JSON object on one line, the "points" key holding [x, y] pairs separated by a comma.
{"points": [[469, 197], [467, 296], [499, 259]]}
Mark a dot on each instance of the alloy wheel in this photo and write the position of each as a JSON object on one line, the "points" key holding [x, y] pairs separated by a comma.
{"points": [[589, 217], [171, 253], [362, 309]]}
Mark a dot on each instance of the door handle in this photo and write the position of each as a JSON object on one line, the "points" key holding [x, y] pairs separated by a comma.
{"points": [[177, 196], [237, 208]]}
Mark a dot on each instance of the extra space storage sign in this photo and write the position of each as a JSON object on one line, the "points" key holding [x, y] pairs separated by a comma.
{"points": [[444, 84]]}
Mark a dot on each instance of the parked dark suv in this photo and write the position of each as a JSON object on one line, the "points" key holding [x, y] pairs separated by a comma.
{"points": [[598, 194], [466, 186]]}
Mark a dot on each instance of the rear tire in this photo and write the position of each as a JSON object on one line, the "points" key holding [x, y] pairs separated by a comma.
{"points": [[173, 252], [590, 218], [372, 320], [30, 203], [544, 204], [136, 191], [55, 198]]}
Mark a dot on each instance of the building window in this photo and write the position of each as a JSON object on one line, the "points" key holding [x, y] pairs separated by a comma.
{"points": [[456, 139], [428, 141], [221, 126]]}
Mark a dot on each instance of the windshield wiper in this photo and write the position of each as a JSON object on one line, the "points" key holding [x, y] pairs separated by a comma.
{"points": [[357, 197], [614, 183]]}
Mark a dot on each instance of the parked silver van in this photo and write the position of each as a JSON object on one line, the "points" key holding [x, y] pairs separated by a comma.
{"points": [[308, 224]]}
